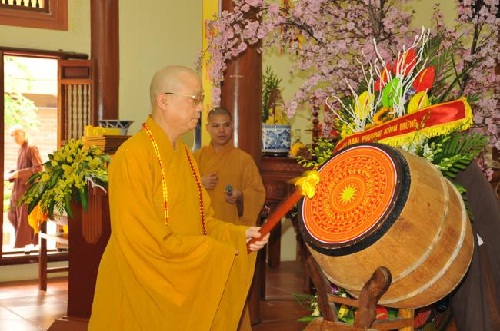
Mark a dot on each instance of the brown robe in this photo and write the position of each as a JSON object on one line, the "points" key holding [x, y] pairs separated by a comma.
{"points": [[476, 302], [29, 162]]}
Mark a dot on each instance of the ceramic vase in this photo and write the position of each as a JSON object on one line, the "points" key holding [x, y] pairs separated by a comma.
{"points": [[276, 139]]}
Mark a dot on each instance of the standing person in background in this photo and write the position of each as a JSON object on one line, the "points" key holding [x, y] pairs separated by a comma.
{"points": [[231, 178], [169, 263], [29, 162]]}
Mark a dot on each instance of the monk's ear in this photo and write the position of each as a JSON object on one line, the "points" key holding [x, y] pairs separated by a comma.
{"points": [[162, 101]]}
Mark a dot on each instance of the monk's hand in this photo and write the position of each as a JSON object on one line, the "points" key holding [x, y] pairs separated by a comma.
{"points": [[209, 181], [234, 197], [253, 232]]}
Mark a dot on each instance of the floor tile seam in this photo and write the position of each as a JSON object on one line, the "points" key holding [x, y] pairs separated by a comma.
{"points": [[20, 316]]}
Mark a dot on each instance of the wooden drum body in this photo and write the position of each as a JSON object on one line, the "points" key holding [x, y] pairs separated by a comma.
{"points": [[379, 206]]}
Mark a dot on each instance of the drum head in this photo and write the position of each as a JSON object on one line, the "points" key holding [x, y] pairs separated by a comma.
{"points": [[361, 192]]}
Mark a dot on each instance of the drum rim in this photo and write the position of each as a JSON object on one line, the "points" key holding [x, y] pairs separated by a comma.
{"points": [[385, 222]]}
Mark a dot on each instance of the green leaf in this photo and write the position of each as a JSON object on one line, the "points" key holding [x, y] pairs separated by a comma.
{"points": [[84, 198], [307, 319], [67, 205], [458, 151], [51, 209], [32, 206]]}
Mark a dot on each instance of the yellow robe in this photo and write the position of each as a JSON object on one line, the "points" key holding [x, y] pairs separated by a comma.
{"points": [[157, 276], [237, 168]]}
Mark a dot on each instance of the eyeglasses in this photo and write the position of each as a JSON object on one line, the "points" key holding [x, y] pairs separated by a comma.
{"points": [[197, 99]]}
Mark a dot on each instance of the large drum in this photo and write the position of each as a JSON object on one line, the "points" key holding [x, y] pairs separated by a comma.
{"points": [[379, 206]]}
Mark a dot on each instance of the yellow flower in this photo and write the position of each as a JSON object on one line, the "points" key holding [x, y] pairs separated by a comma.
{"points": [[59, 180], [364, 104], [383, 115], [418, 101], [294, 150]]}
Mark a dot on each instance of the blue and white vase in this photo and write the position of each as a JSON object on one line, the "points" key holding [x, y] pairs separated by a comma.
{"points": [[276, 139]]}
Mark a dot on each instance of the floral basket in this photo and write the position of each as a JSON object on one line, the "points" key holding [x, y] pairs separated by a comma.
{"points": [[64, 179]]}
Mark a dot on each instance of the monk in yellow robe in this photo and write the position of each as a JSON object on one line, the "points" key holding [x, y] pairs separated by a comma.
{"points": [[169, 263], [231, 178]]}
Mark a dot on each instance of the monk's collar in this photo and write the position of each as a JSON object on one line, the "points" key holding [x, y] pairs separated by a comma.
{"points": [[225, 148]]}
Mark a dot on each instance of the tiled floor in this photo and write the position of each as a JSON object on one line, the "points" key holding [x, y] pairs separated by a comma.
{"points": [[24, 308]]}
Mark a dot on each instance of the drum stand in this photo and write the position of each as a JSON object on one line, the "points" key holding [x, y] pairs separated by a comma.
{"points": [[366, 304]]}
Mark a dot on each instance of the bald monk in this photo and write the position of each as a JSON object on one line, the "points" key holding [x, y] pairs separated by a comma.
{"points": [[169, 263], [231, 178]]}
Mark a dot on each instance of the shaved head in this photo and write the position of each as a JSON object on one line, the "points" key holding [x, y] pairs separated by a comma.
{"points": [[219, 111], [169, 79], [176, 94]]}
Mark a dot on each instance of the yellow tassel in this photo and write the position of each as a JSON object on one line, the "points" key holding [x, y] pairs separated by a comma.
{"points": [[37, 217], [308, 183]]}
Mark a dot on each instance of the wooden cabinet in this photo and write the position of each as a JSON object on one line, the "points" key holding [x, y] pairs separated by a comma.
{"points": [[276, 174], [89, 232]]}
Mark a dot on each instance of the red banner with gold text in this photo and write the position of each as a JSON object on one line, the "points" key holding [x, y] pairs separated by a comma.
{"points": [[431, 121]]}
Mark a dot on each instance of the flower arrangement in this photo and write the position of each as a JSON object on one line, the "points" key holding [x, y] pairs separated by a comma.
{"points": [[326, 39], [398, 103], [65, 177], [272, 101]]}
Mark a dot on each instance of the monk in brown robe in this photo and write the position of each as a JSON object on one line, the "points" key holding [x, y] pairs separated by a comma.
{"points": [[169, 263], [476, 301], [29, 162], [231, 178]]}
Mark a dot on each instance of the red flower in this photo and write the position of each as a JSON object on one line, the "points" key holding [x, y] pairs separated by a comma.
{"points": [[406, 62], [383, 79], [424, 79]]}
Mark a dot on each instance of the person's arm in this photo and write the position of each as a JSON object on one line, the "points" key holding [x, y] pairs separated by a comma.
{"points": [[36, 165]]}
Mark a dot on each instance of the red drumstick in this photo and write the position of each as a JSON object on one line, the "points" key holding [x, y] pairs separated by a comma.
{"points": [[277, 215]]}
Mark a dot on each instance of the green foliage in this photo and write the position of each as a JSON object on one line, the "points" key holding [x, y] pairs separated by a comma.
{"points": [[454, 152], [65, 177], [18, 109], [321, 151], [310, 302], [270, 83]]}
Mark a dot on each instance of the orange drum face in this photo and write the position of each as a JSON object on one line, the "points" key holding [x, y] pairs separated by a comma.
{"points": [[356, 192]]}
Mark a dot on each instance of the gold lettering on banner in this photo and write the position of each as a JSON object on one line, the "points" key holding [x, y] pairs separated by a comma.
{"points": [[391, 129], [352, 140], [409, 124], [371, 136]]}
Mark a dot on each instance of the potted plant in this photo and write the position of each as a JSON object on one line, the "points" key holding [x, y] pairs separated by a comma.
{"points": [[276, 129]]}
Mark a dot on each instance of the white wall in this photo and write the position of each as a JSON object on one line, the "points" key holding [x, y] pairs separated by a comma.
{"points": [[168, 32]]}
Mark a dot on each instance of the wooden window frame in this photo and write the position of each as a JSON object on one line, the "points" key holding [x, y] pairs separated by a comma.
{"points": [[10, 259], [55, 19]]}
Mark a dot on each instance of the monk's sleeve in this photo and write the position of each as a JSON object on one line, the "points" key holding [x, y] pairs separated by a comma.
{"points": [[253, 190], [35, 160]]}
